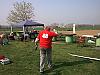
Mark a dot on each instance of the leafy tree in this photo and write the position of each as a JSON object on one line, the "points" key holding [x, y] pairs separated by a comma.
{"points": [[21, 12]]}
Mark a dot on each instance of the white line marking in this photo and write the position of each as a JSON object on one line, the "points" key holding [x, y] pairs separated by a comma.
{"points": [[84, 57]]}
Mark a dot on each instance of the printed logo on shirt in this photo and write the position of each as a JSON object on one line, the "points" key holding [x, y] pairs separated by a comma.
{"points": [[45, 35]]}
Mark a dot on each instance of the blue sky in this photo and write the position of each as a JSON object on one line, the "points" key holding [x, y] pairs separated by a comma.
{"points": [[58, 11]]}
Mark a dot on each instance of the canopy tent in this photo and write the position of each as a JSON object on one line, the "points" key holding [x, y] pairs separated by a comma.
{"points": [[26, 23]]}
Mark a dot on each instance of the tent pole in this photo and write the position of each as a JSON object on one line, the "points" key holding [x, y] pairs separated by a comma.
{"points": [[11, 29], [24, 32], [23, 29]]}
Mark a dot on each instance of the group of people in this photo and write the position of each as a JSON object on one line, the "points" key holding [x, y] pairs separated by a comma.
{"points": [[45, 45]]}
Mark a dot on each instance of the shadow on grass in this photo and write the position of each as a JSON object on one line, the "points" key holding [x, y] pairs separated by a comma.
{"points": [[58, 66]]}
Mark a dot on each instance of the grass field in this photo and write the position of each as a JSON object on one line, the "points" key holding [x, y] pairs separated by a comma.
{"points": [[25, 61]]}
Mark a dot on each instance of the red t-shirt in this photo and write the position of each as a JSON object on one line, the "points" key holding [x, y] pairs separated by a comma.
{"points": [[45, 38]]}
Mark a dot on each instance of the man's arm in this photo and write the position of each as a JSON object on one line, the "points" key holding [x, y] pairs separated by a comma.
{"points": [[54, 32], [37, 39]]}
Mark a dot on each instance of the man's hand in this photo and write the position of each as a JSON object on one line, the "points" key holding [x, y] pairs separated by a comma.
{"points": [[36, 46], [36, 43]]}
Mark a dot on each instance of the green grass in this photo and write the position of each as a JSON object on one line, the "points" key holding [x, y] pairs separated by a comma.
{"points": [[25, 61], [96, 27]]}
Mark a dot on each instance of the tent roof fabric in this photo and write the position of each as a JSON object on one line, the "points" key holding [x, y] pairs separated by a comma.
{"points": [[28, 23]]}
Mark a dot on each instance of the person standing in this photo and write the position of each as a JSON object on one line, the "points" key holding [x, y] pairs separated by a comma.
{"points": [[45, 44]]}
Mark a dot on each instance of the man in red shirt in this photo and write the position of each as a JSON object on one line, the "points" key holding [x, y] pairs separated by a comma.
{"points": [[45, 42]]}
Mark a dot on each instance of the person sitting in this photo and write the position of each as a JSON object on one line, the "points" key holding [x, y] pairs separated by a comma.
{"points": [[11, 36], [3, 39]]}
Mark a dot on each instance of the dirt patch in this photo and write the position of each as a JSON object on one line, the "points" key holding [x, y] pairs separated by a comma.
{"points": [[58, 42], [82, 32]]}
